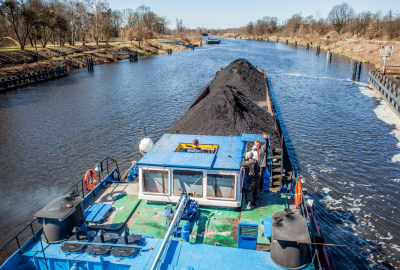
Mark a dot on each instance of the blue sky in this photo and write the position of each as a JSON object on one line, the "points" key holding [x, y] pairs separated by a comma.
{"points": [[236, 13]]}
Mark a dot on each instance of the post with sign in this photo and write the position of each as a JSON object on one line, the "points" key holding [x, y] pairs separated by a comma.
{"points": [[61, 58], [386, 52]]}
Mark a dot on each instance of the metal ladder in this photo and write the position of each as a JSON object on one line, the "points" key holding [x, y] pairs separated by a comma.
{"points": [[277, 167]]}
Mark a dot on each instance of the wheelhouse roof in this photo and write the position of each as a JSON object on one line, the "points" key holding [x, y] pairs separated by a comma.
{"points": [[228, 156]]}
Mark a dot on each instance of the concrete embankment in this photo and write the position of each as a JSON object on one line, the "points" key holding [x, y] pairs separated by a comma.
{"points": [[387, 89]]}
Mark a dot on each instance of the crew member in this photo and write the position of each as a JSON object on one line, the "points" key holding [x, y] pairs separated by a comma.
{"points": [[252, 187], [195, 148], [262, 153]]}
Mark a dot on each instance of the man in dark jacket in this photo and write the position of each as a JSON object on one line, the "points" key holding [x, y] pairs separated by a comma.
{"points": [[262, 152], [252, 187]]}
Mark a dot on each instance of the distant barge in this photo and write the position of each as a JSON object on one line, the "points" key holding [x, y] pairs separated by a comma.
{"points": [[211, 41], [176, 209]]}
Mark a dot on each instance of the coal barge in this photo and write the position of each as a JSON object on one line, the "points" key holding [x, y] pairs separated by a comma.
{"points": [[178, 209]]}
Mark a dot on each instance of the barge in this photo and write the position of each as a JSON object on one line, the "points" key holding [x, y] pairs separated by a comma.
{"points": [[211, 41], [178, 209]]}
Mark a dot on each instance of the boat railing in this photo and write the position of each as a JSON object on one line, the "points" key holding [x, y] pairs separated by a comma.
{"points": [[11, 246], [107, 165]]}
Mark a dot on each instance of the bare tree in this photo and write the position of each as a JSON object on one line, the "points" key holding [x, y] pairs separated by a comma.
{"points": [[340, 16], [130, 34], [20, 17], [295, 22]]}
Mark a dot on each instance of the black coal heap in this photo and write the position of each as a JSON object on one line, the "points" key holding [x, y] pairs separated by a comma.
{"points": [[229, 108]]}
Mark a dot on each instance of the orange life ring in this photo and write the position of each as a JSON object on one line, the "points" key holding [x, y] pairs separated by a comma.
{"points": [[297, 194], [89, 182]]}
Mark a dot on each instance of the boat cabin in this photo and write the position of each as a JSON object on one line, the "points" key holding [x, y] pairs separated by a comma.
{"points": [[209, 174]]}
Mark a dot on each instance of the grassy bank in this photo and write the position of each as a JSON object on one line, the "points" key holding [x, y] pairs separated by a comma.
{"points": [[358, 49], [13, 61]]}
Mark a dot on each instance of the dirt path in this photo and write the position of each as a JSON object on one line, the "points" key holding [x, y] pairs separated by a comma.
{"points": [[14, 63]]}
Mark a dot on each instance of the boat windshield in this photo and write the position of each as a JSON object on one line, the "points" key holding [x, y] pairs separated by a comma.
{"points": [[220, 186], [155, 181], [190, 182]]}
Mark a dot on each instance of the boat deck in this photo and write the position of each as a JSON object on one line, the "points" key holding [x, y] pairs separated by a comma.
{"points": [[217, 225], [180, 255]]}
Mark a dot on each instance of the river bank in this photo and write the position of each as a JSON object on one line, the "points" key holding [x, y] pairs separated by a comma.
{"points": [[357, 49], [15, 62]]}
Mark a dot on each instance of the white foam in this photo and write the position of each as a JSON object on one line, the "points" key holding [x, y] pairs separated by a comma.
{"points": [[387, 115], [326, 190], [369, 92], [329, 78]]}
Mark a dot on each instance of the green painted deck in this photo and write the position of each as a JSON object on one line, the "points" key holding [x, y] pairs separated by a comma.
{"points": [[269, 204], [123, 206], [216, 225]]}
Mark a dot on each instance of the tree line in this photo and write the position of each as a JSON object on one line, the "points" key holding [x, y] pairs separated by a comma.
{"points": [[341, 19], [67, 22]]}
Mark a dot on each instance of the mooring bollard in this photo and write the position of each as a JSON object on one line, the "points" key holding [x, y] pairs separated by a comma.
{"points": [[359, 71]]}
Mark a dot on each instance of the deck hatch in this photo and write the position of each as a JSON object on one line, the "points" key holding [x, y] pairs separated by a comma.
{"points": [[206, 148]]}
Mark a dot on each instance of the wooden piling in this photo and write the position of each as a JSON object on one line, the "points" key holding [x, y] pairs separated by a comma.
{"points": [[359, 71], [287, 42], [307, 46], [277, 40], [267, 39], [295, 44], [354, 71]]}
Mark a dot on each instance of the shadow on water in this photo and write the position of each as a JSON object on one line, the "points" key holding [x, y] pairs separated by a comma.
{"points": [[53, 132]]}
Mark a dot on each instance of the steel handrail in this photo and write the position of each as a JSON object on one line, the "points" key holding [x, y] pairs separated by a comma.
{"points": [[392, 97], [172, 225], [16, 236], [75, 186]]}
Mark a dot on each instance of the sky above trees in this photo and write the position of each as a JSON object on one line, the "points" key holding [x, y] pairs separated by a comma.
{"points": [[236, 13]]}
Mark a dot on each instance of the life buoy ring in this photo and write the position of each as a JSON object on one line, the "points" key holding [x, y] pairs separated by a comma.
{"points": [[90, 180], [297, 194]]}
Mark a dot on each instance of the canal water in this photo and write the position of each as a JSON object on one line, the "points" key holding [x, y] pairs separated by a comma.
{"points": [[345, 138]]}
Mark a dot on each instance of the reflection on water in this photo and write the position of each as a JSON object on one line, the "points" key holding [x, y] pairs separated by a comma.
{"points": [[53, 132]]}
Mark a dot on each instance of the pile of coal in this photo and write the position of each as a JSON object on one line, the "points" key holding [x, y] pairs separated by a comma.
{"points": [[230, 108], [226, 111], [245, 77]]}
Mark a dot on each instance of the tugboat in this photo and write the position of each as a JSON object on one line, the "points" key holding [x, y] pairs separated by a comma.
{"points": [[179, 209]]}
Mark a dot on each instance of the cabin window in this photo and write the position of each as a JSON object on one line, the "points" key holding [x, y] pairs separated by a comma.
{"points": [[190, 182], [221, 186], [155, 181]]}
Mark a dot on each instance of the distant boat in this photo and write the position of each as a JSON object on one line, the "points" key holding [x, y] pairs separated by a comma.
{"points": [[213, 41]]}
